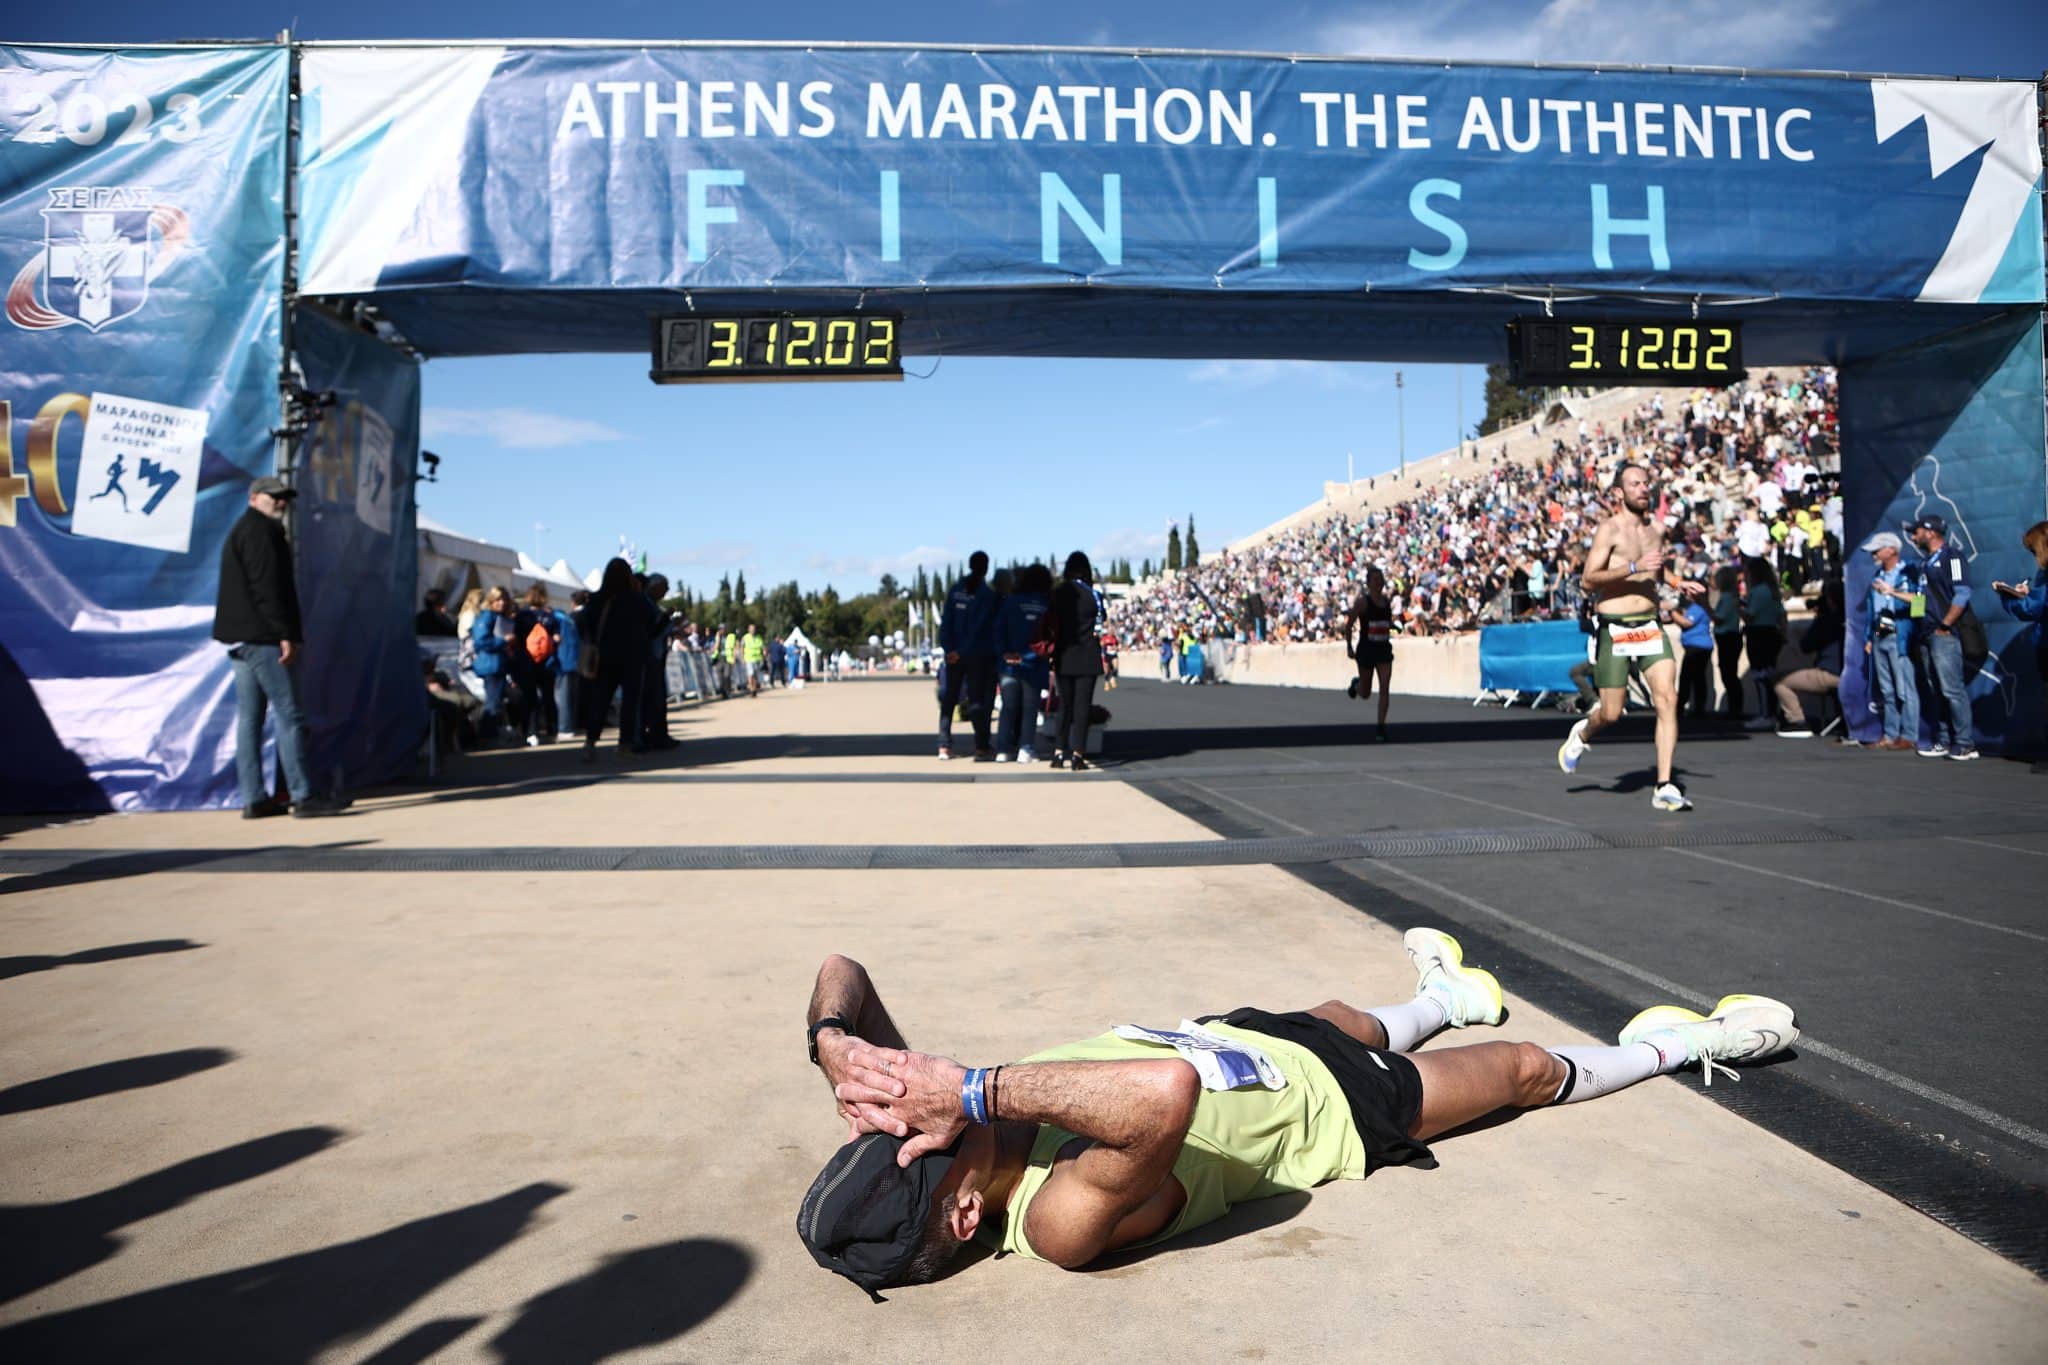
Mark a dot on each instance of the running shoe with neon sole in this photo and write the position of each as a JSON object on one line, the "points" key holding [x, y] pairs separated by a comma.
{"points": [[1742, 1028], [1573, 748], [1670, 796], [1472, 993]]}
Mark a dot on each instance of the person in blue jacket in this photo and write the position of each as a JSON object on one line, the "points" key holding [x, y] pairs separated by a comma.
{"points": [[491, 635], [967, 634], [1893, 682], [1945, 583], [1025, 672], [2030, 604], [1696, 669], [568, 648]]}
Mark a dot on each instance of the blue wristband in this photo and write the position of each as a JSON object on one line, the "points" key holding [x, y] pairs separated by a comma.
{"points": [[974, 1095]]}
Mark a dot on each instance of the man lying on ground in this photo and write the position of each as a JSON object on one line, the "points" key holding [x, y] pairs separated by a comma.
{"points": [[1138, 1135]]}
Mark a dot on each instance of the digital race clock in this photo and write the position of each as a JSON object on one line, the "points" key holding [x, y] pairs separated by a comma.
{"points": [[699, 347], [1618, 351]]}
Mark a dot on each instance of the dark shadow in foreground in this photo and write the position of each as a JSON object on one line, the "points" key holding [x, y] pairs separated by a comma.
{"points": [[292, 1309], [630, 1301], [24, 966], [110, 1078], [43, 1243]]}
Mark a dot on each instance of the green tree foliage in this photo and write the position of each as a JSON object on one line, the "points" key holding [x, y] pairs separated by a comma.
{"points": [[1504, 401], [1194, 552], [1173, 549]]}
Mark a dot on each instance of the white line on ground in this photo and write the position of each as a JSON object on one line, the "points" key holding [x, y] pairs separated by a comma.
{"points": [[1861, 895], [1456, 796], [1292, 758], [1265, 815], [2012, 1128], [2002, 848], [1758, 805]]}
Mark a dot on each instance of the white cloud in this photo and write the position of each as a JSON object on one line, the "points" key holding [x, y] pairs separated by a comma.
{"points": [[515, 428], [1679, 32], [865, 569], [1129, 543], [1256, 374]]}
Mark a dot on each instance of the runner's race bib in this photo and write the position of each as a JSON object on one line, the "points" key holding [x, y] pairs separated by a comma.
{"points": [[1636, 641], [1378, 631], [1222, 1063]]}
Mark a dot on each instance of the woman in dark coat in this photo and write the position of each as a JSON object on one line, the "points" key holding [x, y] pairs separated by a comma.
{"points": [[1077, 658], [619, 622]]}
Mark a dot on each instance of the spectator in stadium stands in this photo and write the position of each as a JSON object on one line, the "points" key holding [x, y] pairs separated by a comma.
{"points": [[618, 623], [1945, 697], [433, 618], [536, 640], [967, 635], [491, 638], [2028, 602], [1026, 671], [1728, 637], [1822, 642], [1893, 681], [256, 616], [1077, 656], [1763, 624]]}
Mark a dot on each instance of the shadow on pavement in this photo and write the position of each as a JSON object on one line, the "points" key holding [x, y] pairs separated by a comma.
{"points": [[41, 1244], [294, 1308], [1254, 1215], [25, 966], [110, 1078], [631, 1300]]}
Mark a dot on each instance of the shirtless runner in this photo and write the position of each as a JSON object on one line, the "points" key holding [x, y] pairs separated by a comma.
{"points": [[1622, 572]]}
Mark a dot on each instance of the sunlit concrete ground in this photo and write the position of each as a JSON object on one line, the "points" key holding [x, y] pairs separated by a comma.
{"points": [[557, 1117]]}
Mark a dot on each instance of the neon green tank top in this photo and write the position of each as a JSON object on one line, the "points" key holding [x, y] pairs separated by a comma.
{"points": [[1242, 1144]]}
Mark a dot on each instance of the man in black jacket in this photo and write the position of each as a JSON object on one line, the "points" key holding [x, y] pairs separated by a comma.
{"points": [[257, 618]]}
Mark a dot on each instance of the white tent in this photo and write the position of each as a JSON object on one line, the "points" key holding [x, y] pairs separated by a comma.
{"points": [[456, 563]]}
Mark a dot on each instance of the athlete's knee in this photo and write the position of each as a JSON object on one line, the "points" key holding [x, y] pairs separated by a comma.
{"points": [[1610, 710], [1537, 1074]]}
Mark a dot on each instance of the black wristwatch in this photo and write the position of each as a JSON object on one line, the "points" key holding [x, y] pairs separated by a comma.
{"points": [[811, 1033]]}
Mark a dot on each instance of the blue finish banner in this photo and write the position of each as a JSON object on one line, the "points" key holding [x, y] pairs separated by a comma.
{"points": [[357, 533], [754, 167], [1537, 657], [142, 242]]}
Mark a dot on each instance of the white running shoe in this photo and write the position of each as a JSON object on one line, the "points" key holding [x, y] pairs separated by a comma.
{"points": [[1002, 758], [1473, 993], [1573, 749], [1670, 796], [1742, 1028]]}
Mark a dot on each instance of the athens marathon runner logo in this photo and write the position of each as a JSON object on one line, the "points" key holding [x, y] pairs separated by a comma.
{"points": [[102, 245]]}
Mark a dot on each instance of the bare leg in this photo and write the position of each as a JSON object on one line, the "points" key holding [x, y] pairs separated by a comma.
{"points": [[1607, 712], [1460, 1084], [1355, 1022], [1663, 677], [1386, 672]]}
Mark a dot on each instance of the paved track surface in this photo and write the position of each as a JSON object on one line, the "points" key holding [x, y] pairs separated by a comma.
{"points": [[1897, 903]]}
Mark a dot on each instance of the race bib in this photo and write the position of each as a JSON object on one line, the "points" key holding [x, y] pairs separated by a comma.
{"points": [[1636, 641], [1378, 631], [1222, 1063]]}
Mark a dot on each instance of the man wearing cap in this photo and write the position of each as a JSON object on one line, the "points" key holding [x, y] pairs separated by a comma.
{"points": [[1138, 1135], [1945, 582], [1892, 679], [257, 617]]}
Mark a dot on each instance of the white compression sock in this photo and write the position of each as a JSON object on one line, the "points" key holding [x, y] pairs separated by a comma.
{"points": [[1409, 1024], [1591, 1072]]}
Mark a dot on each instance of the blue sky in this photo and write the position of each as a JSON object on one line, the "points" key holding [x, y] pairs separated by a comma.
{"points": [[840, 483]]}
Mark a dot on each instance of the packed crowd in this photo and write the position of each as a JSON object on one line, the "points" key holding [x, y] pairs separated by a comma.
{"points": [[529, 671], [1745, 471]]}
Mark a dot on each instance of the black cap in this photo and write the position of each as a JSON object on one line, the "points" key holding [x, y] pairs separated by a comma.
{"points": [[864, 1216], [1930, 522]]}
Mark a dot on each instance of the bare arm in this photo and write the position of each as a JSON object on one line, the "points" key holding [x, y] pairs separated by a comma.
{"points": [[844, 991]]}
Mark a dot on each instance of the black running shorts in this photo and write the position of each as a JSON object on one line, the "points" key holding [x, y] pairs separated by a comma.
{"points": [[1383, 1088]]}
